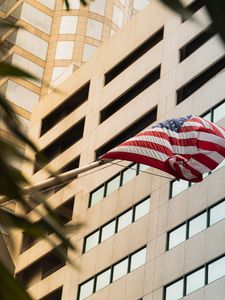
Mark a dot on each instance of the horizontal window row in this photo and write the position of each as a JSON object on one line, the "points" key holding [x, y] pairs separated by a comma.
{"points": [[115, 182], [195, 280], [59, 145], [55, 295], [64, 215], [134, 55], [196, 83], [41, 268], [65, 108], [112, 273], [130, 94], [118, 223], [194, 6], [214, 114], [191, 227], [196, 42], [137, 126]]}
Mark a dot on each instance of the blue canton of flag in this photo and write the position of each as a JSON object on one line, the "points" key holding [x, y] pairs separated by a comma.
{"points": [[173, 124]]}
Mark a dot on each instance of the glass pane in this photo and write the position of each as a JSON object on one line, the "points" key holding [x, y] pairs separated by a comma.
{"points": [[216, 269], [219, 112], [143, 167], [195, 280], [120, 269], [97, 196], [217, 213], [175, 290], [177, 236], [197, 224], [178, 187], [103, 279], [208, 116], [92, 241], [125, 220], [113, 185], [142, 209], [129, 174], [138, 259], [86, 289], [108, 230]]}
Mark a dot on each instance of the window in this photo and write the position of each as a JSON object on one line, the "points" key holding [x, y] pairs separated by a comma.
{"points": [[55, 295], [195, 280], [196, 43], [216, 269], [117, 17], [111, 274], [178, 186], [98, 7], [123, 177], [130, 94], [194, 6], [138, 259], [68, 25], [196, 224], [175, 290], [217, 213], [118, 223], [177, 236], [134, 55], [74, 4], [64, 50], [219, 112], [125, 219], [130, 131], [60, 144], [94, 29], [49, 3], [108, 230], [103, 279], [140, 4], [120, 269], [192, 86], [65, 108], [86, 289]]}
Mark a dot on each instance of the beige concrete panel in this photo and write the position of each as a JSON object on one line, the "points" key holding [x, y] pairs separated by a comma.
{"points": [[160, 246], [216, 187], [197, 295], [215, 240], [139, 233], [174, 263], [109, 208], [162, 218], [159, 272], [135, 284], [195, 252], [177, 209], [121, 244], [117, 289], [153, 220], [158, 294], [149, 277], [197, 198], [215, 290]]}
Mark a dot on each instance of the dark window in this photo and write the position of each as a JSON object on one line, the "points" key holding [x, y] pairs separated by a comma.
{"points": [[64, 214], [196, 42], [55, 295], [130, 94], [64, 109], [63, 142], [136, 127], [193, 85], [194, 7], [134, 55], [40, 269]]}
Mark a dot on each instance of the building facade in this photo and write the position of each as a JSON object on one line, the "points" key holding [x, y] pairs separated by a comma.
{"points": [[145, 235]]}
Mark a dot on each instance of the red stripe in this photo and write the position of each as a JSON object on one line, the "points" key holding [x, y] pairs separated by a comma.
{"points": [[209, 146]]}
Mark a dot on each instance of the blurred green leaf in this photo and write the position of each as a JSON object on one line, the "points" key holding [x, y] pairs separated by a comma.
{"points": [[178, 7], [10, 288], [7, 69], [216, 10]]}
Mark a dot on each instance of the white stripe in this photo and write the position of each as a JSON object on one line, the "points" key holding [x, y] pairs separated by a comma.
{"points": [[141, 151], [212, 138], [198, 166], [218, 158]]}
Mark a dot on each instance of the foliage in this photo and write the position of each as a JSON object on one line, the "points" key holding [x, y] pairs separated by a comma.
{"points": [[216, 10]]}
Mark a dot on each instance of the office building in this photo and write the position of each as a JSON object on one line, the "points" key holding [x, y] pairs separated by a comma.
{"points": [[146, 235]]}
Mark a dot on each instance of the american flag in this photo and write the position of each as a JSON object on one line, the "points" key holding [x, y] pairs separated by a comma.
{"points": [[186, 147]]}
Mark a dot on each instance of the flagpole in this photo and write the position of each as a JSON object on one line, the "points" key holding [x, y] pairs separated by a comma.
{"points": [[62, 177]]}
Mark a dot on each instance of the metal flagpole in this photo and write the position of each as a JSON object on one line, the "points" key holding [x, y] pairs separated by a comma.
{"points": [[62, 177]]}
